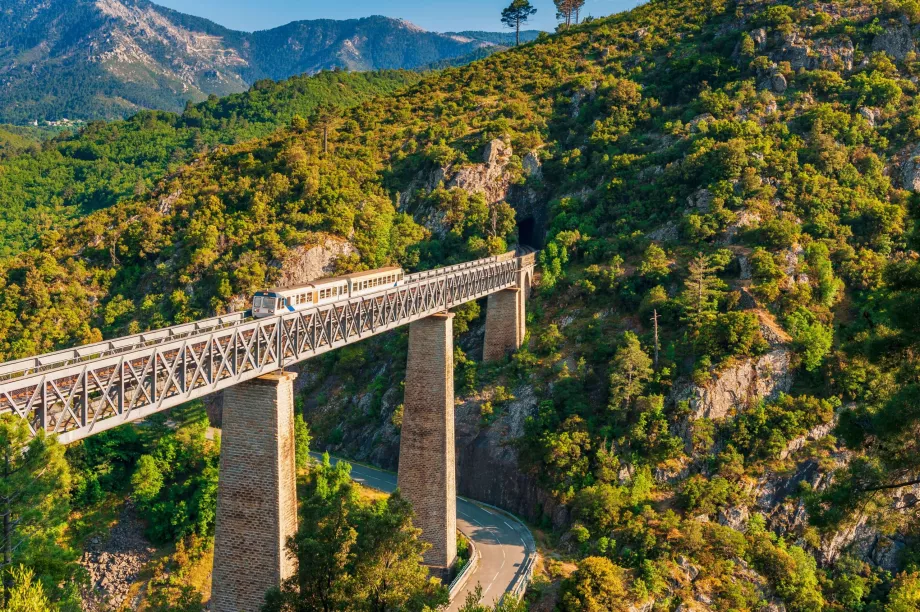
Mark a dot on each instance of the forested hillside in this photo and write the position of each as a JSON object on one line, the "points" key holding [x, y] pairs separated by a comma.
{"points": [[74, 174], [721, 363]]}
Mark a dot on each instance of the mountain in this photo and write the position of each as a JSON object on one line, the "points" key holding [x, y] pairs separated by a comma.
{"points": [[716, 406], [90, 59]]}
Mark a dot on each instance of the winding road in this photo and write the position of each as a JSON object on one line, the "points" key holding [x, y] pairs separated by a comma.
{"points": [[504, 543]]}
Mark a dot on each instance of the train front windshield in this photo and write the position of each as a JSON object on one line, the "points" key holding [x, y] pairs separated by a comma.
{"points": [[266, 303]]}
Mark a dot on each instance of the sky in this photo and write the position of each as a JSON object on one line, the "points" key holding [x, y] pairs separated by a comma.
{"points": [[434, 15]]}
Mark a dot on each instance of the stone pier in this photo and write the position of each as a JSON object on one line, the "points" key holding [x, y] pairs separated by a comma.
{"points": [[426, 452], [256, 494], [505, 325]]}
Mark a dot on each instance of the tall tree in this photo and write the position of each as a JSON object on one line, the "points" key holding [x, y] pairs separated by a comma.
{"points": [[630, 369], [569, 11], [701, 291], [517, 14], [34, 488]]}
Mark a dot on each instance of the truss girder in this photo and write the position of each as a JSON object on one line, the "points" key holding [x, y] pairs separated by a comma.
{"points": [[86, 392]]}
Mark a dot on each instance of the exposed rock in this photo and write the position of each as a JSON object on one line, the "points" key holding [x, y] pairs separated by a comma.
{"points": [[747, 301], [775, 497], [487, 462], [747, 271], [532, 165], [897, 41], [837, 53], [646, 606], [759, 36], [701, 200], [306, 264], [488, 178], [691, 570], [818, 433], [740, 385], [668, 232], [735, 517], [910, 171], [777, 83], [871, 115], [114, 564], [585, 93], [887, 553], [167, 202], [743, 221]]}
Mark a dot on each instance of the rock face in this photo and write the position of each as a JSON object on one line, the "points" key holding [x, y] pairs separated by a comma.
{"points": [[738, 386], [897, 41], [487, 462], [114, 564], [488, 178], [910, 171], [800, 54], [307, 264]]}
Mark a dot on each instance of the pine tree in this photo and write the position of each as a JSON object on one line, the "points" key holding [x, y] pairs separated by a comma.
{"points": [[569, 11], [630, 369], [34, 482], [701, 291], [517, 14]]}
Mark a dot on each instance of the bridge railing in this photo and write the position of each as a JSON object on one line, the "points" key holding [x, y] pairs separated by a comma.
{"points": [[83, 391], [59, 359]]}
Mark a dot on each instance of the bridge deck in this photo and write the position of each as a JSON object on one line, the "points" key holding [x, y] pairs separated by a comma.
{"points": [[78, 392]]}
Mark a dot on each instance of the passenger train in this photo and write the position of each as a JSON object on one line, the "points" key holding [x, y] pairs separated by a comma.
{"points": [[274, 302]]}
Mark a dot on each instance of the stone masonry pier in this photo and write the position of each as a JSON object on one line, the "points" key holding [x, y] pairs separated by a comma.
{"points": [[426, 452], [257, 493]]}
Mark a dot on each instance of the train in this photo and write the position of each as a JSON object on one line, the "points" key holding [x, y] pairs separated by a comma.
{"points": [[274, 302]]}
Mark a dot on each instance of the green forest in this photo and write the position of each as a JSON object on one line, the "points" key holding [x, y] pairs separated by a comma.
{"points": [[730, 192]]}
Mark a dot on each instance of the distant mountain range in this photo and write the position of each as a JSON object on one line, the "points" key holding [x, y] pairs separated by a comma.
{"points": [[91, 59]]}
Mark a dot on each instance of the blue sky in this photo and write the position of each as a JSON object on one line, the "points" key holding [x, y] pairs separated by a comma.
{"points": [[436, 15]]}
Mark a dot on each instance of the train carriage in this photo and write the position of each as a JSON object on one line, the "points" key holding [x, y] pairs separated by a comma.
{"points": [[274, 302]]}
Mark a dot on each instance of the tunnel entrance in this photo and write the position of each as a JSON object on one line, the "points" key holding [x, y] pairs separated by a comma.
{"points": [[527, 230]]}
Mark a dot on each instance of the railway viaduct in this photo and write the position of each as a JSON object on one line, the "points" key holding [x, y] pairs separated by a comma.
{"points": [[80, 392]]}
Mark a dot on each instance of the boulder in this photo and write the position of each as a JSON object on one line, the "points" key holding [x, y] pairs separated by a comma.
{"points": [[871, 115], [778, 83]]}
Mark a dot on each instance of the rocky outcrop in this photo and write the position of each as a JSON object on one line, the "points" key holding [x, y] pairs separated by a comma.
{"points": [[308, 263], [739, 386], [910, 171], [897, 41], [488, 178], [825, 54]]}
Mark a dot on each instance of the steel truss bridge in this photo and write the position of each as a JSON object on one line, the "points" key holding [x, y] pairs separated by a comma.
{"points": [[80, 392]]}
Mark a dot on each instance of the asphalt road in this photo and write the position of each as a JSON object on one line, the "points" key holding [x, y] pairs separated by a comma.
{"points": [[504, 543]]}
